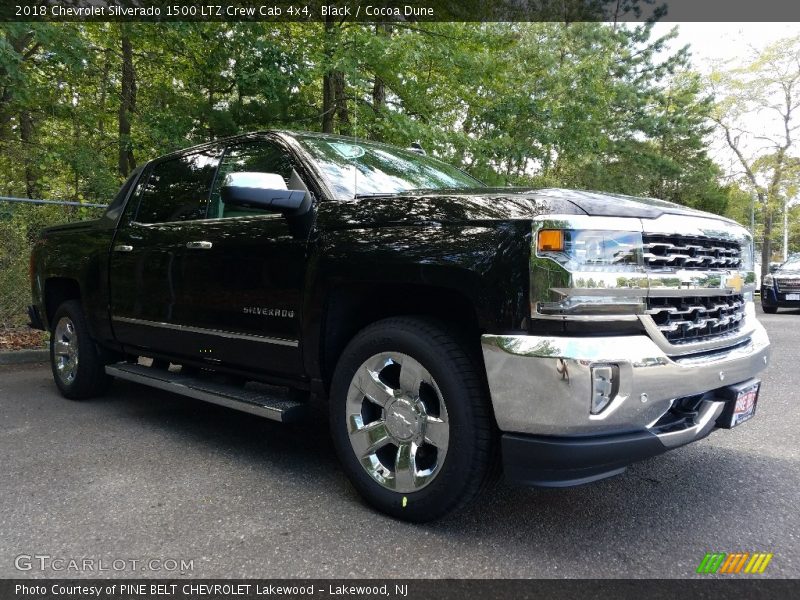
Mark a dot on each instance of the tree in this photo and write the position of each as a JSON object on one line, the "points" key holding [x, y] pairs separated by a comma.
{"points": [[127, 102], [768, 85], [574, 104]]}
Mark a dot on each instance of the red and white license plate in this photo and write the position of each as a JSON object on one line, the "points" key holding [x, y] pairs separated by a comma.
{"points": [[745, 408]]}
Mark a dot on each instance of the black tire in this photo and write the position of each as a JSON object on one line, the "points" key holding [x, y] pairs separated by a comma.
{"points": [[471, 458], [770, 310], [88, 378]]}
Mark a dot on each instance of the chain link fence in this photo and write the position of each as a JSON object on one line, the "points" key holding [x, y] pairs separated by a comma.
{"points": [[20, 224]]}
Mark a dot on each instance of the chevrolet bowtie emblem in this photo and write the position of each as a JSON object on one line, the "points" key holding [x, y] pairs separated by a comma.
{"points": [[734, 282]]}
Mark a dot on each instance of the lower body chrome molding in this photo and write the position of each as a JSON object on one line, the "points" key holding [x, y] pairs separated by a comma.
{"points": [[202, 330]]}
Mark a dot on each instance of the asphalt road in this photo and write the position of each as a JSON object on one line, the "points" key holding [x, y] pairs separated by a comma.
{"points": [[143, 474]]}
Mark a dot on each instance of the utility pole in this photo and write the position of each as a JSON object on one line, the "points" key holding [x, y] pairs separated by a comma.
{"points": [[785, 229]]}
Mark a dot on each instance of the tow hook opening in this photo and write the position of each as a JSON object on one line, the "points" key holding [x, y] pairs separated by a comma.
{"points": [[683, 413]]}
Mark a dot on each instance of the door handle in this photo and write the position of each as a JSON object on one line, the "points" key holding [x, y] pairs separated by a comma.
{"points": [[123, 248], [199, 245]]}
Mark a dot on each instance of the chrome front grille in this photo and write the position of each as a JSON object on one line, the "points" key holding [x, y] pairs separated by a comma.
{"points": [[693, 319], [690, 252], [788, 285]]}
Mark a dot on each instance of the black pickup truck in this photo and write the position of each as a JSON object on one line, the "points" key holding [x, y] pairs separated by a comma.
{"points": [[449, 329]]}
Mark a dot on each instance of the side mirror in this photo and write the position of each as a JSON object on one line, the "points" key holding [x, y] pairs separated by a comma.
{"points": [[266, 191]]}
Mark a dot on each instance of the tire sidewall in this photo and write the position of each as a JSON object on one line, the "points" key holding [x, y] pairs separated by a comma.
{"points": [[445, 490], [88, 381]]}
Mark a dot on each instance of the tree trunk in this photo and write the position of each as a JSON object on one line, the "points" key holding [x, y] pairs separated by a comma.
{"points": [[26, 136], [127, 104], [341, 102], [766, 248], [378, 94], [378, 85], [328, 91], [334, 102], [328, 96], [101, 119]]}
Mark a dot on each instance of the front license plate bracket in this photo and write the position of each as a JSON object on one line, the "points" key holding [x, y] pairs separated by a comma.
{"points": [[742, 400]]}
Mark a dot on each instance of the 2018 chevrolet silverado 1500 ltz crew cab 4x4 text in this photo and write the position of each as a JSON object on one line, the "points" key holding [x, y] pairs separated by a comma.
{"points": [[449, 328]]}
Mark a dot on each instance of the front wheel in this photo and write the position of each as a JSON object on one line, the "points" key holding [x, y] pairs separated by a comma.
{"points": [[411, 420], [78, 370], [770, 310]]}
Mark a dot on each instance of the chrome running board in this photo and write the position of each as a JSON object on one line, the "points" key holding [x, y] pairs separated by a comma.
{"points": [[265, 401]]}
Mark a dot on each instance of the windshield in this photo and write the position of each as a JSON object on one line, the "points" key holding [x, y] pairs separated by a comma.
{"points": [[355, 168]]}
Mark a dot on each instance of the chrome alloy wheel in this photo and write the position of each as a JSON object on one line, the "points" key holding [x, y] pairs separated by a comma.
{"points": [[65, 350], [397, 422]]}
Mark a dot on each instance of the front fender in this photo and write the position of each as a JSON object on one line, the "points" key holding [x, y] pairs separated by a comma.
{"points": [[485, 264]]}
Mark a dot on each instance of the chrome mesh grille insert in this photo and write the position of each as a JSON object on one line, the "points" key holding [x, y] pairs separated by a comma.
{"points": [[690, 252], [788, 285], [693, 319]]}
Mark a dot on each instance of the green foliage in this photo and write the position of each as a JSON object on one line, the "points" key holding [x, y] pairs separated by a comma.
{"points": [[20, 225], [576, 104]]}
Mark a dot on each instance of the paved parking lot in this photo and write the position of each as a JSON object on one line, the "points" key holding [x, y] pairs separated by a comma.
{"points": [[143, 474]]}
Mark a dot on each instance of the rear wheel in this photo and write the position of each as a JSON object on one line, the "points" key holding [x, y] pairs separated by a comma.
{"points": [[411, 420], [78, 370], [770, 310]]}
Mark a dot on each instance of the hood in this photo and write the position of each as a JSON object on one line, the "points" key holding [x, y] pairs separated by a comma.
{"points": [[793, 270], [493, 204], [596, 204], [441, 206], [602, 204]]}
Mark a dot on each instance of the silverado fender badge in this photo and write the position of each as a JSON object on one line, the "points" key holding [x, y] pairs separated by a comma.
{"points": [[268, 312]]}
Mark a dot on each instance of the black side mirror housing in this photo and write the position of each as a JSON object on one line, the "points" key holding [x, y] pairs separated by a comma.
{"points": [[265, 191]]}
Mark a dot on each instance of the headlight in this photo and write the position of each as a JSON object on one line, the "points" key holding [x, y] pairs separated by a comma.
{"points": [[768, 280], [587, 272], [589, 250], [747, 254]]}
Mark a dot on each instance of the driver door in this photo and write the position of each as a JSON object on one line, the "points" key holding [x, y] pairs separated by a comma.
{"points": [[241, 280]]}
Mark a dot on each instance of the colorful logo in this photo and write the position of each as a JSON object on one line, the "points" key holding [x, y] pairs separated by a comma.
{"points": [[737, 562]]}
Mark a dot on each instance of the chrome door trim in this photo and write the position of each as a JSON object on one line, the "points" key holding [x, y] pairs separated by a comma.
{"points": [[226, 334]]}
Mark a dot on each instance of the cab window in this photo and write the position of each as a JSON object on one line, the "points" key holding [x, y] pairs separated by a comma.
{"points": [[178, 188]]}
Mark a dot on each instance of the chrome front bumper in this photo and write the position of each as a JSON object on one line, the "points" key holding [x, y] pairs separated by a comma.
{"points": [[541, 385]]}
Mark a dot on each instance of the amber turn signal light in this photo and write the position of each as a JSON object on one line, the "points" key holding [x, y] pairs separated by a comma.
{"points": [[550, 240]]}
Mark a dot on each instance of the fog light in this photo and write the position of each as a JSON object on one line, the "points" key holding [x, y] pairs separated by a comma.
{"points": [[604, 385]]}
